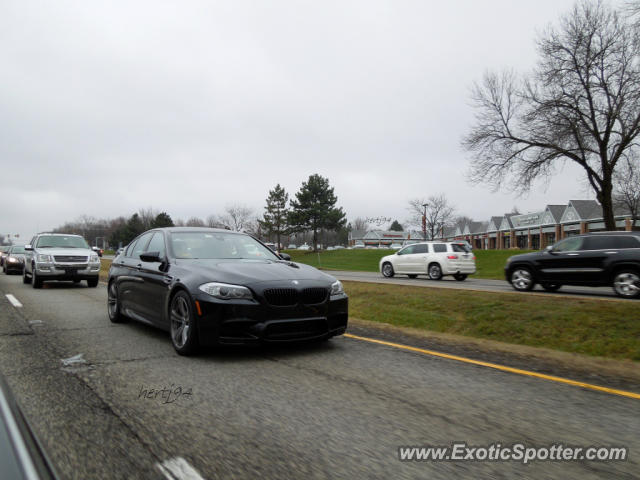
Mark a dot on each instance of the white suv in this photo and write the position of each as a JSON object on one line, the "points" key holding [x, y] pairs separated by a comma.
{"points": [[58, 256], [435, 259]]}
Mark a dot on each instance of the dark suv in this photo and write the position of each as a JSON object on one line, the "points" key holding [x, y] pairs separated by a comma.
{"points": [[594, 260]]}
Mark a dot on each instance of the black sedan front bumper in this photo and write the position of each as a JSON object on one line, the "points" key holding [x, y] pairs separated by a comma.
{"points": [[248, 322]]}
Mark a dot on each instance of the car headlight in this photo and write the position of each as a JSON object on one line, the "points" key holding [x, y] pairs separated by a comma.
{"points": [[44, 258], [225, 291], [336, 288], [94, 258], [509, 260], [12, 260]]}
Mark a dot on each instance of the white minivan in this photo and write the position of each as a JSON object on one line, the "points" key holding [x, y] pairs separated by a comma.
{"points": [[435, 259]]}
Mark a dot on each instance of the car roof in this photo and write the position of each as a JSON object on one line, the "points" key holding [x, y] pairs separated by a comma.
{"points": [[611, 232], [59, 234], [196, 229]]}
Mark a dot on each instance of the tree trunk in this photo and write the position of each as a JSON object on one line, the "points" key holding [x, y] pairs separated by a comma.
{"points": [[607, 205], [315, 239]]}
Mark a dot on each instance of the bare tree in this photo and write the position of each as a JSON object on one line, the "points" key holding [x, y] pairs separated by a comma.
{"points": [[194, 222], [214, 222], [627, 187], [461, 221], [237, 217], [147, 216], [360, 223], [437, 213], [581, 104]]}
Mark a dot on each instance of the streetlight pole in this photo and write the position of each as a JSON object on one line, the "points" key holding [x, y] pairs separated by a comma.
{"points": [[424, 221]]}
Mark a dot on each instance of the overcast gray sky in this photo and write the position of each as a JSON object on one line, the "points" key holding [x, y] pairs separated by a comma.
{"points": [[109, 107]]}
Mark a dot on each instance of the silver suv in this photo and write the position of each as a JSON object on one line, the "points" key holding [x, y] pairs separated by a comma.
{"points": [[58, 256]]}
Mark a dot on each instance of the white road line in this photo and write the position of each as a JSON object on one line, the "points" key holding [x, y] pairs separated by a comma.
{"points": [[14, 301], [178, 468]]}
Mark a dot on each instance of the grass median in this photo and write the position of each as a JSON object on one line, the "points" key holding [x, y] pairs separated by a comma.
{"points": [[489, 263], [586, 326]]}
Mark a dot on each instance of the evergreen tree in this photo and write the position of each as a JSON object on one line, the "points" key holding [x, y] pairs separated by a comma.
{"points": [[314, 208], [396, 227], [275, 215], [162, 220]]}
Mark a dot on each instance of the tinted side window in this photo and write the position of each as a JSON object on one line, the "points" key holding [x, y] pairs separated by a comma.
{"points": [[600, 242], [140, 245], [407, 250], [421, 248], [157, 244], [439, 247], [621, 241], [568, 245]]}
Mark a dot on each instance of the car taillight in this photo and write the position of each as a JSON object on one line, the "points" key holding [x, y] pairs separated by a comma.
{"points": [[452, 257]]}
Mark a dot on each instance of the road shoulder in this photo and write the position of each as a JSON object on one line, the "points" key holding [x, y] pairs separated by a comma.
{"points": [[619, 374]]}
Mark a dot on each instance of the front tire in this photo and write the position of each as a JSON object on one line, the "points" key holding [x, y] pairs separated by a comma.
{"points": [[460, 277], [93, 283], [435, 271], [25, 279], [113, 304], [626, 284], [35, 281], [522, 279], [184, 334], [551, 287], [387, 270]]}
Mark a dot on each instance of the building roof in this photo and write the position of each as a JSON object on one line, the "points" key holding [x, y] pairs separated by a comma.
{"points": [[357, 234], [586, 209], [478, 227], [496, 221], [556, 211]]}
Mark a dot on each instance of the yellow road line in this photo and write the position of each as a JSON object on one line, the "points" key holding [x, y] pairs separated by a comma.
{"points": [[496, 366]]}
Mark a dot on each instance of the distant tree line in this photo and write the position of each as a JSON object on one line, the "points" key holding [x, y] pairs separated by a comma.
{"points": [[312, 215]]}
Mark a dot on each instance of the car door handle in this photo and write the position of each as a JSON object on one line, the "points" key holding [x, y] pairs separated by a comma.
{"points": [[573, 254], [168, 279], [610, 253], [139, 266]]}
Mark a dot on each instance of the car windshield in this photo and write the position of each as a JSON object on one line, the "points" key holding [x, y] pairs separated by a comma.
{"points": [[15, 250], [61, 241], [218, 245], [460, 247]]}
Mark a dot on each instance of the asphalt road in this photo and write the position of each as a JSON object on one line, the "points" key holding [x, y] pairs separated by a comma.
{"points": [[334, 410], [471, 284]]}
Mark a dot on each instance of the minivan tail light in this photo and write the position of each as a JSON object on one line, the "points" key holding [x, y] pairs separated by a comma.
{"points": [[452, 257]]}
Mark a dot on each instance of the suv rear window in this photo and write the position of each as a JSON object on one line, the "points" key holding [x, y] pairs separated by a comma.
{"points": [[460, 247]]}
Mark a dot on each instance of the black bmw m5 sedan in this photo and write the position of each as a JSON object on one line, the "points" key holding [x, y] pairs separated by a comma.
{"points": [[210, 286]]}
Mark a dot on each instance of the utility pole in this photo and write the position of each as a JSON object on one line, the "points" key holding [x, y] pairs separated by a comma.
{"points": [[424, 221]]}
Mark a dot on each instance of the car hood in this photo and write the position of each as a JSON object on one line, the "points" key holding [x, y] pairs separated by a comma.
{"points": [[526, 256], [248, 272], [83, 252]]}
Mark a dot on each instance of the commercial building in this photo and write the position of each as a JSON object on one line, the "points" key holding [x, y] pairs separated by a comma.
{"points": [[537, 230]]}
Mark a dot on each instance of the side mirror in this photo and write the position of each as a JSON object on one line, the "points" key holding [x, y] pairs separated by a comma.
{"points": [[28, 248], [150, 257], [549, 249], [285, 256]]}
